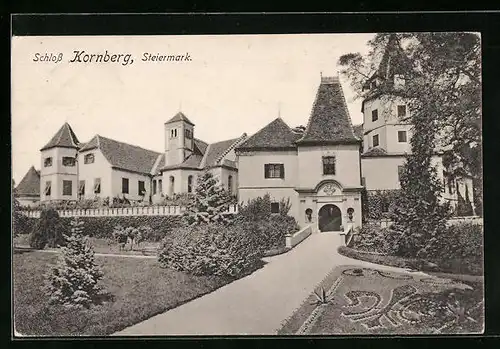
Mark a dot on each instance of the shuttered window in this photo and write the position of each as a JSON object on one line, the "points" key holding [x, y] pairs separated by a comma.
{"points": [[97, 185]]}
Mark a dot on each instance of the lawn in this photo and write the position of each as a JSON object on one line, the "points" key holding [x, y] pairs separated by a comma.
{"points": [[138, 289], [361, 301]]}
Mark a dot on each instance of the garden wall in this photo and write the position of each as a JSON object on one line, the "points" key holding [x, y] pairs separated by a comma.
{"points": [[121, 211]]}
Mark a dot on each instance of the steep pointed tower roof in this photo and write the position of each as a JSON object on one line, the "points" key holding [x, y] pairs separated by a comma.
{"points": [[64, 138], [329, 122], [30, 184], [179, 117], [394, 60]]}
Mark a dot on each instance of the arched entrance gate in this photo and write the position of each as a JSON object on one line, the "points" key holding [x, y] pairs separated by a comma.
{"points": [[329, 218]]}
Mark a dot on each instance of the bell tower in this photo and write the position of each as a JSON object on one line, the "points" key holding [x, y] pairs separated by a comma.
{"points": [[179, 139]]}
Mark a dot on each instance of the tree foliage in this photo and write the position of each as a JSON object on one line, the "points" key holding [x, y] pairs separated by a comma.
{"points": [[48, 231], [210, 202], [74, 280], [441, 86]]}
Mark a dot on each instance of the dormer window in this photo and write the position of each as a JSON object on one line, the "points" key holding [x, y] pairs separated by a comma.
{"points": [[173, 133], [47, 162], [89, 159]]}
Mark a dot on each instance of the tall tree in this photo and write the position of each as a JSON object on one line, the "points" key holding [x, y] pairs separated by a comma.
{"points": [[438, 75], [210, 202]]}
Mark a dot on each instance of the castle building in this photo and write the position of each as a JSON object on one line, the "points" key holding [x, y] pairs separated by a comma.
{"points": [[321, 170]]}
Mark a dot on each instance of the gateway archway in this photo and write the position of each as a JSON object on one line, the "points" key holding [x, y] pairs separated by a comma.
{"points": [[330, 218]]}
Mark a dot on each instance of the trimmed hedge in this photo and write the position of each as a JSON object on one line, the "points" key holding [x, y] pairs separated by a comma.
{"points": [[103, 227]]}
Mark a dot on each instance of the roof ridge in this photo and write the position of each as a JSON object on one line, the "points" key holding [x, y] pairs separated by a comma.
{"points": [[204, 158], [346, 109], [132, 145], [310, 114], [233, 144]]}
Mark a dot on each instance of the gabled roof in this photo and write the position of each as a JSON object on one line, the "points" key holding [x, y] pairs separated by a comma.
{"points": [[329, 122], [206, 155], [30, 184], [374, 152], [274, 136], [123, 155], [64, 138], [179, 117], [215, 151]]}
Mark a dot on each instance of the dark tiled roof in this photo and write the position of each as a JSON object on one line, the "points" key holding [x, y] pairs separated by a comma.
{"points": [[358, 131], [275, 135], [179, 117], [124, 156], [394, 60], [374, 152], [199, 146], [329, 122], [30, 184], [215, 151], [64, 138]]}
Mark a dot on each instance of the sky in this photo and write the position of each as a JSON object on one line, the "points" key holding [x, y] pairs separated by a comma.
{"points": [[232, 85]]}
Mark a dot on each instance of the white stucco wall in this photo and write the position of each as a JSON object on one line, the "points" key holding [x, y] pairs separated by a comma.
{"points": [[57, 173], [133, 186], [310, 165], [381, 173], [100, 168]]}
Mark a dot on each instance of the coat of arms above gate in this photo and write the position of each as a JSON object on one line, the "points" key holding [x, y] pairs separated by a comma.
{"points": [[329, 189]]}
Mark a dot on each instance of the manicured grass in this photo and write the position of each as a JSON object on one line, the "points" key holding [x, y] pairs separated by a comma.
{"points": [[453, 266], [138, 289]]}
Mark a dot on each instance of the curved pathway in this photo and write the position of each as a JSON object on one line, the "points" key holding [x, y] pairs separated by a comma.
{"points": [[259, 303]]}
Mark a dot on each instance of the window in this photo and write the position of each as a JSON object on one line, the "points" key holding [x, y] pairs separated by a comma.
{"points": [[89, 159], [375, 141], [188, 133], [401, 111], [68, 161], [141, 188], [451, 186], [154, 187], [97, 186], [172, 185], [373, 84], [374, 115], [48, 188], [81, 188], [124, 185], [402, 136], [173, 133], [47, 162], [275, 207], [160, 187], [230, 184], [274, 171], [328, 165], [400, 172], [190, 184], [67, 188]]}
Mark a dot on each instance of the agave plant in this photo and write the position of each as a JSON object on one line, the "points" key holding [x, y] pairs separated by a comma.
{"points": [[321, 297]]}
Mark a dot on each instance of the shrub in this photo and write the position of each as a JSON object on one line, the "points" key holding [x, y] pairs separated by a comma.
{"points": [[373, 238], [73, 282], [210, 203], [211, 249], [103, 227], [48, 230], [460, 244]]}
